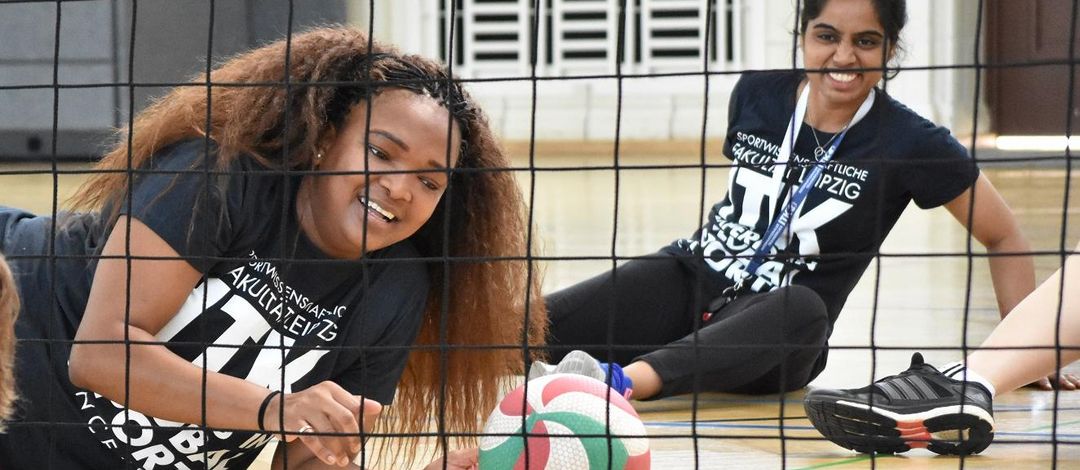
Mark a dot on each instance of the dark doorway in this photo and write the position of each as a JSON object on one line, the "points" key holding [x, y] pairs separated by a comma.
{"points": [[1030, 100]]}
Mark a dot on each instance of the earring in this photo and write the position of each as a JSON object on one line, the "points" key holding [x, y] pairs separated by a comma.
{"points": [[318, 157]]}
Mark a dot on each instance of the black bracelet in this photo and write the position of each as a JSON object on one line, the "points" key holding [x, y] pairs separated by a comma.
{"points": [[262, 407]]}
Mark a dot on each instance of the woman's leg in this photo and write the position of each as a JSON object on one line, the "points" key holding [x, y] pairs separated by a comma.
{"points": [[1034, 323], [760, 343], [943, 412], [632, 310]]}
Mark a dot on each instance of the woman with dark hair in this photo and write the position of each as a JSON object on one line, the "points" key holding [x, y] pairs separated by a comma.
{"points": [[272, 256], [824, 164]]}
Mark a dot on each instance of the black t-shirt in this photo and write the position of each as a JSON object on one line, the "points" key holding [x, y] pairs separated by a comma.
{"points": [[265, 287], [891, 157]]}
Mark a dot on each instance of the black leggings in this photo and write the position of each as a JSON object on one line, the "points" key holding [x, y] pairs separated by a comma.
{"points": [[647, 310]]}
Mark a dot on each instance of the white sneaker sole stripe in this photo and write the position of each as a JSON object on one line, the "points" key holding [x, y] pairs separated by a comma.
{"points": [[925, 415]]}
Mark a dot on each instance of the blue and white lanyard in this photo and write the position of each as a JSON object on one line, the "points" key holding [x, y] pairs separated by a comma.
{"points": [[780, 221]]}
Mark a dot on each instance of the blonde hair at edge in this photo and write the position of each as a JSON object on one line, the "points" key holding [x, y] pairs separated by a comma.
{"points": [[9, 309], [470, 303]]}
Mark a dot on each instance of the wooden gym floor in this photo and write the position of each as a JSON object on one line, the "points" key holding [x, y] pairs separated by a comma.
{"points": [[920, 303]]}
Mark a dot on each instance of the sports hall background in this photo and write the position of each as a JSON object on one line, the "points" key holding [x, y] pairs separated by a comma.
{"points": [[578, 38]]}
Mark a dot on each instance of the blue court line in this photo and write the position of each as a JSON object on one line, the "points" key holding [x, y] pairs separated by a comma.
{"points": [[797, 417], [703, 424], [700, 424], [727, 400], [1059, 436], [1015, 408], [796, 401]]}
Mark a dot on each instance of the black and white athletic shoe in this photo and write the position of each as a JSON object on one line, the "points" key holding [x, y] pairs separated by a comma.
{"points": [[918, 408]]}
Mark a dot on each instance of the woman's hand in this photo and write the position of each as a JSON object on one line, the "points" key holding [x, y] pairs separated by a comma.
{"points": [[326, 418], [465, 459], [1064, 382]]}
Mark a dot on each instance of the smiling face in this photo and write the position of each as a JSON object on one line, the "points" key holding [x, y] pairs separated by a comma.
{"points": [[847, 35], [408, 133]]}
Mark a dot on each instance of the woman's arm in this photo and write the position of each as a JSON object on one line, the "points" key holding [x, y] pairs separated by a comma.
{"points": [[162, 384], [992, 223], [994, 226]]}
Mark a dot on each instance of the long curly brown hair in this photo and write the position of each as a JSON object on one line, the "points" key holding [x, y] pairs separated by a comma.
{"points": [[9, 309], [477, 300]]}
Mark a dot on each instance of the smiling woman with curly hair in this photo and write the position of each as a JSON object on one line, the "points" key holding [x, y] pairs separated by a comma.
{"points": [[325, 203]]}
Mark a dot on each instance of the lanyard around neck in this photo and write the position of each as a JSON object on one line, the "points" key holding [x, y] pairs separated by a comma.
{"points": [[783, 160]]}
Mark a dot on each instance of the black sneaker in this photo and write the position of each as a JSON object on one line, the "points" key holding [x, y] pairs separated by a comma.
{"points": [[920, 407]]}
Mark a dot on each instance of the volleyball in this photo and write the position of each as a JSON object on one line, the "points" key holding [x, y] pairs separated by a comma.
{"points": [[572, 422]]}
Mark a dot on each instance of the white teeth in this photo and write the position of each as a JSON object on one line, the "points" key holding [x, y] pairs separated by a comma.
{"points": [[842, 77], [389, 216]]}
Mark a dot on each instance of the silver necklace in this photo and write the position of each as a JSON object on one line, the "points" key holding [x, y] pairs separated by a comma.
{"points": [[820, 151]]}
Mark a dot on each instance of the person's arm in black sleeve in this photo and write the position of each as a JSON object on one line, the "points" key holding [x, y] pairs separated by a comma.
{"points": [[150, 263], [186, 200]]}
